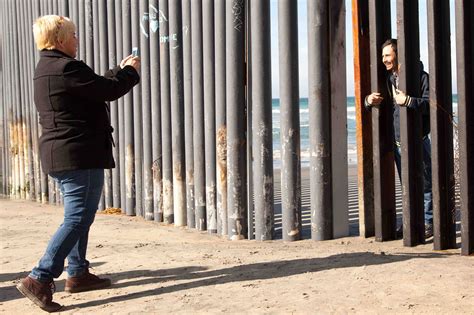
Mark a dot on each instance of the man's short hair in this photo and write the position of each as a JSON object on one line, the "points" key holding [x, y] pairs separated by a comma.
{"points": [[50, 30], [391, 42]]}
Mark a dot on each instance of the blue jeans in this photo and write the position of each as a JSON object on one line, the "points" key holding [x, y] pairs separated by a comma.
{"points": [[428, 195], [81, 191]]}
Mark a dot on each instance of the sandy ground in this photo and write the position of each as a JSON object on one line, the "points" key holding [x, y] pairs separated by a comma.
{"points": [[164, 269]]}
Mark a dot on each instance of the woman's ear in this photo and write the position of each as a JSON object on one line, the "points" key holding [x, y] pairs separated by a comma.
{"points": [[60, 45]]}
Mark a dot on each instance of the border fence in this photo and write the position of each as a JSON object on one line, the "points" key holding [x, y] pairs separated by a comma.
{"points": [[194, 138]]}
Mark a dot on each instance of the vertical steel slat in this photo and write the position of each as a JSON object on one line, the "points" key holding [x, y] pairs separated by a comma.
{"points": [[338, 105], [81, 30], [120, 132], [137, 117], [198, 115], [248, 126], [382, 124], [410, 124], [188, 114], [156, 110], [25, 104], [112, 62], [441, 114], [17, 133], [221, 130], [465, 74], [103, 34], [146, 107], [177, 111], [319, 102], [365, 170], [236, 120], [29, 104], [290, 133], [262, 119], [209, 113], [168, 215], [128, 116]]}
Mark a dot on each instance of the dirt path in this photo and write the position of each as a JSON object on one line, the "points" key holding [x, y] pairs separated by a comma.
{"points": [[158, 269]]}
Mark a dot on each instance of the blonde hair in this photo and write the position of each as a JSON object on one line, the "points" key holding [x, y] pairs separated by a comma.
{"points": [[50, 30]]}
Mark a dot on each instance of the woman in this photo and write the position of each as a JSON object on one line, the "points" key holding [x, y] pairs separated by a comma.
{"points": [[75, 148]]}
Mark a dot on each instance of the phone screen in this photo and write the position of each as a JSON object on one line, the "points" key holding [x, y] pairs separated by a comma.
{"points": [[135, 52]]}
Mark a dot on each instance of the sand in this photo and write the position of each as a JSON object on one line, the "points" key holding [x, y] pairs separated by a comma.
{"points": [[164, 269]]}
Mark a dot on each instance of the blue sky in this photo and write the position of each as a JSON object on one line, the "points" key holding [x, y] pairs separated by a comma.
{"points": [[303, 46]]}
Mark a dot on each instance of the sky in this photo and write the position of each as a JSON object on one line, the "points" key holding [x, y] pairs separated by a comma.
{"points": [[303, 44]]}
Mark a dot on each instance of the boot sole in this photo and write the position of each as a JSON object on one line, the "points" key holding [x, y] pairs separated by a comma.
{"points": [[28, 294], [88, 288]]}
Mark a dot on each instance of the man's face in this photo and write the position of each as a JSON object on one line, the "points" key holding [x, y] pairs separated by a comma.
{"points": [[389, 58]]}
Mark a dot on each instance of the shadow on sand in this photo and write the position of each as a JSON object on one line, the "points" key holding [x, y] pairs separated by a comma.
{"points": [[201, 277]]}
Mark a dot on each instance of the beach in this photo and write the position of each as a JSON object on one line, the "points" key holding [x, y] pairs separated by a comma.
{"points": [[157, 268]]}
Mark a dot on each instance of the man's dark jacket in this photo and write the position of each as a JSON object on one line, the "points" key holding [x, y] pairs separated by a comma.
{"points": [[70, 98], [420, 102]]}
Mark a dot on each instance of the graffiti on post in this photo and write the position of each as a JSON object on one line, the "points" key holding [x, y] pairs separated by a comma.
{"points": [[155, 18], [237, 11]]}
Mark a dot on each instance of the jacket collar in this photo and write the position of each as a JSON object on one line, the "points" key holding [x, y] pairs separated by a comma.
{"points": [[53, 53]]}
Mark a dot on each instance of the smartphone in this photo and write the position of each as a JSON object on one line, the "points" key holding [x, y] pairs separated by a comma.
{"points": [[135, 52]]}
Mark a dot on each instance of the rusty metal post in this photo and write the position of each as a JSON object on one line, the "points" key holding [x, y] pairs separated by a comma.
{"points": [[177, 111], [188, 114], [31, 110], [236, 120], [17, 139], [465, 72], [410, 124], [382, 125], [365, 170], [44, 179], [114, 118], [221, 131], [3, 96], [33, 14], [81, 27], [120, 132], [166, 114], [137, 117], [103, 34], [290, 120], [95, 22], [198, 115], [63, 7], [156, 111], [441, 114], [128, 116], [209, 113], [338, 90], [27, 79], [262, 119], [248, 127], [144, 23], [319, 103]]}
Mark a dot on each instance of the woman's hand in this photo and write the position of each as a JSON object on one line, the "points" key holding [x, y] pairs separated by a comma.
{"points": [[131, 61]]}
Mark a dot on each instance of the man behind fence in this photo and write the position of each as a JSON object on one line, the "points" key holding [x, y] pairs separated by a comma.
{"points": [[399, 98]]}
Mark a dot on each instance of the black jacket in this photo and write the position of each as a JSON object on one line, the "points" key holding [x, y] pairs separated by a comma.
{"points": [[420, 102], [70, 99]]}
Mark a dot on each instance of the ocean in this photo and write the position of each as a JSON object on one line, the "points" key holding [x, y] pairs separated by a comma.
{"points": [[304, 129]]}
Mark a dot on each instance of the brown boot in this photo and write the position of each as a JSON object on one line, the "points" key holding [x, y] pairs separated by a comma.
{"points": [[86, 282], [41, 293]]}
